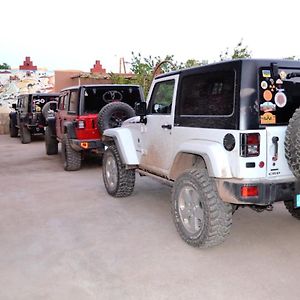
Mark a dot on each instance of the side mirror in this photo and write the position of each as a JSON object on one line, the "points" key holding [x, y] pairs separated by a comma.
{"points": [[141, 109], [14, 106]]}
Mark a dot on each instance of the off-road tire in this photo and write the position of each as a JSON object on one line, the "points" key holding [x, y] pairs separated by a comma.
{"points": [[295, 212], [13, 130], [50, 142], [46, 108], [25, 134], [292, 143], [71, 158], [113, 115], [118, 181], [216, 215]]}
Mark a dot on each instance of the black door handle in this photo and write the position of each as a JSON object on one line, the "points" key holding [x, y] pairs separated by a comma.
{"points": [[166, 126]]}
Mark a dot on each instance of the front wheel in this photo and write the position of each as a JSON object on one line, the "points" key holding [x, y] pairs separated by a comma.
{"points": [[118, 181], [13, 130], [202, 219]]}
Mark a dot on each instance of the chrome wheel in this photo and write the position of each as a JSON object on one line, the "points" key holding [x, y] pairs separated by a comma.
{"points": [[111, 172], [190, 210]]}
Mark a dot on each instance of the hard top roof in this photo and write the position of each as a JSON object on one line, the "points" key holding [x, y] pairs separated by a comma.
{"points": [[287, 63]]}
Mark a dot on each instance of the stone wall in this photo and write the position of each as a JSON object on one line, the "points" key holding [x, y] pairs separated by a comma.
{"points": [[4, 120]]}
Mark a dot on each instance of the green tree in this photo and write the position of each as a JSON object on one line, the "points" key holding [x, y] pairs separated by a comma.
{"points": [[4, 66], [145, 68], [239, 51]]}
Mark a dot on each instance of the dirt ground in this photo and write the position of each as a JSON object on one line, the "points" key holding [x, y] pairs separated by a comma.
{"points": [[62, 237]]}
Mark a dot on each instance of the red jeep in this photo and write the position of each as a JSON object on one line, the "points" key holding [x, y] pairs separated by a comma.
{"points": [[81, 116]]}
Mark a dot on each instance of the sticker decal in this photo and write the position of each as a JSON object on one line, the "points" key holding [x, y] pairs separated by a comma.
{"points": [[280, 99], [279, 81], [266, 73], [272, 80], [268, 118], [282, 75], [267, 95], [267, 107], [264, 85], [272, 87]]}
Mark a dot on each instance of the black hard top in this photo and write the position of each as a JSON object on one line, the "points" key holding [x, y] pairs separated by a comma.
{"points": [[287, 63]]}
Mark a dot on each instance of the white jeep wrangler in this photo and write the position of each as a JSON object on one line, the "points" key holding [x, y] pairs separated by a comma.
{"points": [[218, 134]]}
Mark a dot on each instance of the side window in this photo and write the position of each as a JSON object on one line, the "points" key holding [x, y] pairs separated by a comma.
{"points": [[73, 101], [162, 96], [208, 94], [66, 101], [60, 102]]}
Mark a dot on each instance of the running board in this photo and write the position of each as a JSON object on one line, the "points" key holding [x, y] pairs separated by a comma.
{"points": [[156, 177]]}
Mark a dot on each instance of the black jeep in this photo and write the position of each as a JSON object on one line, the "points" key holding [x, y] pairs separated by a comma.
{"points": [[27, 116]]}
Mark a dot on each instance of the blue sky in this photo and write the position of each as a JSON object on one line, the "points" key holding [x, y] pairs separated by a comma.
{"points": [[73, 34]]}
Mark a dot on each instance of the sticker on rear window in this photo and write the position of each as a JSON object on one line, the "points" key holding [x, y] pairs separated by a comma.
{"points": [[267, 95], [267, 107], [266, 73], [280, 99], [264, 85], [268, 118]]}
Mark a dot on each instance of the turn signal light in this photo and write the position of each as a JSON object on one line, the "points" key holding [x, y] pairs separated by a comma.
{"points": [[249, 191], [84, 145]]}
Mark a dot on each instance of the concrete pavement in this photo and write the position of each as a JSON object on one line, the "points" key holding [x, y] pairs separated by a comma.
{"points": [[62, 237]]}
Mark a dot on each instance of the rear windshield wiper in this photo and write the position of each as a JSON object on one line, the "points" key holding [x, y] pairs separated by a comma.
{"points": [[292, 75]]}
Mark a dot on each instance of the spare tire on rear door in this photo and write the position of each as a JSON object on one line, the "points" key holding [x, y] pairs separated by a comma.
{"points": [[46, 110], [113, 115], [292, 143]]}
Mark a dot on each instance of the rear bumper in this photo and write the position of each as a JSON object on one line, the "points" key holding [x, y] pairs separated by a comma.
{"points": [[268, 192], [79, 145]]}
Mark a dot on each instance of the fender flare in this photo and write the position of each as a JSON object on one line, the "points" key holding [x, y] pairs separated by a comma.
{"points": [[70, 130], [125, 144], [214, 155]]}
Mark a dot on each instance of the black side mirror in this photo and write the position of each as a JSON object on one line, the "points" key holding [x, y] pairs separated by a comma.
{"points": [[14, 106], [141, 109]]}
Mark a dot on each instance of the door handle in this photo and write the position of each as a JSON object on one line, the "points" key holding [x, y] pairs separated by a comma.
{"points": [[166, 126]]}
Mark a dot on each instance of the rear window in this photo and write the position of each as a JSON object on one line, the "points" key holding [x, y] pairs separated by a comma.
{"points": [[279, 96], [38, 101], [97, 97]]}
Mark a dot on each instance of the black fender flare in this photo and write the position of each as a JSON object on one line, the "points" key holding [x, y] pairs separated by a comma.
{"points": [[70, 130]]}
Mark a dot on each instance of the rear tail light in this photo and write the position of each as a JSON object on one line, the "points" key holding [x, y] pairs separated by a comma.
{"points": [[80, 124], [249, 191], [250, 144]]}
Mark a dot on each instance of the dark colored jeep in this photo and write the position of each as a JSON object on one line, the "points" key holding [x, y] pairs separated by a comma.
{"points": [[27, 116], [82, 114]]}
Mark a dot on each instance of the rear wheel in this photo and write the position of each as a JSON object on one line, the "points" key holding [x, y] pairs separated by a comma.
{"points": [[202, 219], [13, 130], [118, 181], [50, 142], [71, 158], [25, 134]]}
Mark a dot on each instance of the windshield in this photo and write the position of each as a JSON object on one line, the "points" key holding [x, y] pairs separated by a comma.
{"points": [[279, 95]]}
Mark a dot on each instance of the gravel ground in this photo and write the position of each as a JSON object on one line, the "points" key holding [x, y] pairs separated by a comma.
{"points": [[62, 237]]}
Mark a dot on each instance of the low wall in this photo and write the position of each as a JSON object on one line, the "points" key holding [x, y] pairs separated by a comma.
{"points": [[4, 120]]}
